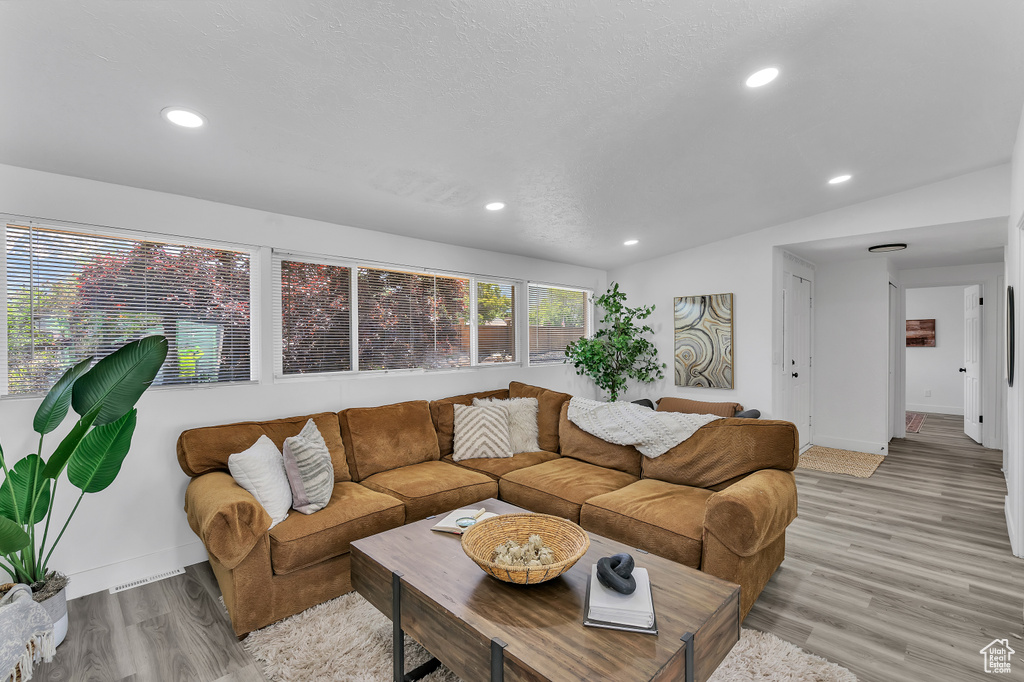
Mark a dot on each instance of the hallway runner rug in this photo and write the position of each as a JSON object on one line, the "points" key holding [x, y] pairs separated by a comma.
{"points": [[347, 639], [834, 461], [915, 420]]}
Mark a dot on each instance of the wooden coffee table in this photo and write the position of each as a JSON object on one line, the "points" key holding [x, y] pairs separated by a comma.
{"points": [[482, 628]]}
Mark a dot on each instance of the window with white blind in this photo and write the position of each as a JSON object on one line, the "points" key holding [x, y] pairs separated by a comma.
{"points": [[558, 316], [496, 322], [412, 320], [315, 317], [71, 295]]}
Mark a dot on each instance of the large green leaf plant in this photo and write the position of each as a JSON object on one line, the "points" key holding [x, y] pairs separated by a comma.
{"points": [[618, 351], [104, 397]]}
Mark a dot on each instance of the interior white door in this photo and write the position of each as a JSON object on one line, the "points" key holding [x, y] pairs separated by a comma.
{"points": [[972, 362], [797, 349]]}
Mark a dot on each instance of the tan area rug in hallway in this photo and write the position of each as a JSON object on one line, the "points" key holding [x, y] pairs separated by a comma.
{"points": [[347, 640], [834, 461]]}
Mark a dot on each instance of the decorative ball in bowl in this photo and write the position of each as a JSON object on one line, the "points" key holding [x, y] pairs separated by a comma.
{"points": [[566, 540]]}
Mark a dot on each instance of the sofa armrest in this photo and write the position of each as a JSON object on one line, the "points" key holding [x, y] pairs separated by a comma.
{"points": [[752, 513], [225, 516]]}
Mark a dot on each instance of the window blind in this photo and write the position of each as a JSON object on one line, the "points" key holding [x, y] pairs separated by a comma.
{"points": [[412, 320], [557, 317], [496, 322], [72, 295], [315, 317]]}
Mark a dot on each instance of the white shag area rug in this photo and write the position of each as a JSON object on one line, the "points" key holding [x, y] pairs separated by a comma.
{"points": [[347, 640]]}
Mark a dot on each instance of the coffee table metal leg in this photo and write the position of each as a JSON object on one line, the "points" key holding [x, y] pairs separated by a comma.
{"points": [[688, 640], [497, 660], [396, 623], [399, 638]]}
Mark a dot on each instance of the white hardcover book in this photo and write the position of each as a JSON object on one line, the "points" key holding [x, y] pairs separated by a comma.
{"points": [[450, 523], [635, 610]]}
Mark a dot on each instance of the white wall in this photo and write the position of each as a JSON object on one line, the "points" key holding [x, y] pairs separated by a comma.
{"points": [[137, 527], [1013, 456], [934, 382], [851, 350], [745, 266]]}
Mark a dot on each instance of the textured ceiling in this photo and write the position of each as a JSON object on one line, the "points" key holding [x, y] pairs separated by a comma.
{"points": [[595, 122], [969, 243]]}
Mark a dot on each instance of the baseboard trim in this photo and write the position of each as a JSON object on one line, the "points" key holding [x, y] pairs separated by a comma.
{"points": [[848, 444], [104, 577], [1011, 528], [938, 409]]}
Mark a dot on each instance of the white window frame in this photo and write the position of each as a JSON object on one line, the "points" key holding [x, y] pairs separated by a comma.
{"points": [[278, 255], [255, 302], [588, 316]]}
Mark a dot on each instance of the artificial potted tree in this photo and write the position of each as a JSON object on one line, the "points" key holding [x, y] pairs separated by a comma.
{"points": [[618, 351], [104, 397]]}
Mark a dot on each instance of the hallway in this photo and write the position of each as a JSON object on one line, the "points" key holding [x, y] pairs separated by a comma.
{"points": [[905, 575]]}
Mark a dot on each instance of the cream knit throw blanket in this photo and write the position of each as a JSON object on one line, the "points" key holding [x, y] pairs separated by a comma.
{"points": [[652, 433]]}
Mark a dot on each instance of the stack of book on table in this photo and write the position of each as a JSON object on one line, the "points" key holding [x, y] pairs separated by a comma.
{"points": [[607, 608]]}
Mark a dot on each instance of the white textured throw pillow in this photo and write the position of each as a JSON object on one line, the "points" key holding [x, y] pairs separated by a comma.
{"points": [[522, 422], [481, 432], [260, 470], [307, 461]]}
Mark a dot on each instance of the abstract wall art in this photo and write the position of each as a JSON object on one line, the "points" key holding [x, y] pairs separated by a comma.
{"points": [[703, 341], [920, 333]]}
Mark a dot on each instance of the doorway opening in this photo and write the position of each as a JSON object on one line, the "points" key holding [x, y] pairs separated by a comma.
{"points": [[943, 331]]}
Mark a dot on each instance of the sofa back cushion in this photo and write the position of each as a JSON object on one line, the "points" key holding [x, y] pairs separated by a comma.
{"points": [[387, 437], [443, 416], [207, 448], [586, 447], [549, 410], [698, 407], [725, 449]]}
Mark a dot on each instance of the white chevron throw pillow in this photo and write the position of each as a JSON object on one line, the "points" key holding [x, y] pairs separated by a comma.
{"points": [[481, 432]]}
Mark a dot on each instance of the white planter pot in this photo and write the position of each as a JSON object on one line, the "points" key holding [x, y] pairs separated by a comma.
{"points": [[57, 608]]}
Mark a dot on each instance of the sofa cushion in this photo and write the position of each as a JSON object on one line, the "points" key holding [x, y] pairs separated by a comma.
{"points": [[207, 448], [662, 518], [387, 437], [561, 486], [549, 407], [443, 417], [353, 512], [586, 447], [499, 466], [698, 407], [432, 487], [725, 449]]}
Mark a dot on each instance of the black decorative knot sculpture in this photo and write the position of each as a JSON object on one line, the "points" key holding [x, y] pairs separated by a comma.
{"points": [[616, 573]]}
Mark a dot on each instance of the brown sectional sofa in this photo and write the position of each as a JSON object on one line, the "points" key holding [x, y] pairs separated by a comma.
{"points": [[720, 501]]}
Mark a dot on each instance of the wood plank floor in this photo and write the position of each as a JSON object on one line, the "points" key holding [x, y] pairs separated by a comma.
{"points": [[902, 576], [905, 575]]}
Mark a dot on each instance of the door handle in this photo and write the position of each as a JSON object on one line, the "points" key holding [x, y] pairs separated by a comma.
{"points": [[795, 375], [963, 369]]}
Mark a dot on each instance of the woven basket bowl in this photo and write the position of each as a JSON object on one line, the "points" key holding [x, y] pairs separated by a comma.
{"points": [[567, 541]]}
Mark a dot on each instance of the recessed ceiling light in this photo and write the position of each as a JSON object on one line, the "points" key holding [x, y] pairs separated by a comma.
{"points": [[495, 206], [762, 77], [840, 179], [631, 242], [885, 248], [183, 117]]}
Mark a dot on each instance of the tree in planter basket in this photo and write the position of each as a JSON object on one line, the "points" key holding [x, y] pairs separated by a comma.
{"points": [[92, 452], [618, 351]]}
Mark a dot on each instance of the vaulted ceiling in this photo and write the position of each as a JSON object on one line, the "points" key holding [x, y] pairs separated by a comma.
{"points": [[595, 122]]}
